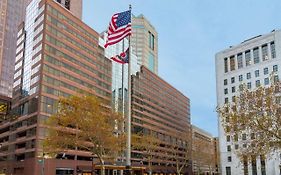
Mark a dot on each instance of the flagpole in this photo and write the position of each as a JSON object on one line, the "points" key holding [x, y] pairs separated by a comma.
{"points": [[123, 101], [128, 143]]}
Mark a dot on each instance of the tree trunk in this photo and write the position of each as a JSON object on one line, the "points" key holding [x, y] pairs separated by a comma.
{"points": [[102, 169], [149, 168]]}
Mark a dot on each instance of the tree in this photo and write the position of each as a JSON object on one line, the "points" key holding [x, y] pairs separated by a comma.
{"points": [[84, 123], [254, 120], [202, 154], [181, 152], [148, 144]]}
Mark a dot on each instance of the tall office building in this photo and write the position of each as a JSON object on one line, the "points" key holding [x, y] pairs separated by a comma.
{"points": [[250, 63], [12, 14], [57, 56], [144, 41], [161, 110]]}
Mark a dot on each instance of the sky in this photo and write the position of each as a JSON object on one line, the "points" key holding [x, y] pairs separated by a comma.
{"points": [[190, 33]]}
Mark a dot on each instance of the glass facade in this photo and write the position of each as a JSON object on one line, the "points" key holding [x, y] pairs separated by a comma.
{"points": [[151, 61], [144, 42], [61, 57], [32, 12], [12, 14], [119, 97]]}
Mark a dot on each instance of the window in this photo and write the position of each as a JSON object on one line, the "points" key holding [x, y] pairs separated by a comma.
{"points": [[248, 75], [225, 82], [240, 61], [248, 57], [257, 73], [275, 78], [226, 91], [226, 100], [254, 166], [272, 48], [265, 71], [151, 40], [263, 170], [232, 79], [244, 136], [249, 86], [228, 138], [241, 87], [233, 89], [225, 65], [232, 63], [236, 146], [245, 164], [228, 170], [228, 148], [275, 68], [233, 98], [67, 4], [266, 81], [264, 50], [229, 158], [236, 138], [240, 77], [258, 83], [253, 136], [256, 55]]}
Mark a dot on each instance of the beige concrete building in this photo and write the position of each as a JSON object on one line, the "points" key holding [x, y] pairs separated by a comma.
{"points": [[145, 42], [203, 152]]}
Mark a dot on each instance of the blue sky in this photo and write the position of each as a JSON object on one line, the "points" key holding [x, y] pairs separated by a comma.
{"points": [[190, 32]]}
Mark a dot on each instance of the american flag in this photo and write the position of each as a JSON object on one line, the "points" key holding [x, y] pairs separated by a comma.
{"points": [[122, 58], [119, 27]]}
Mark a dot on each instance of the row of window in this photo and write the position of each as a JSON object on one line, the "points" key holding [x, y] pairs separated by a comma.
{"points": [[249, 84], [69, 67], [248, 75], [237, 61], [253, 162], [243, 137], [56, 13]]}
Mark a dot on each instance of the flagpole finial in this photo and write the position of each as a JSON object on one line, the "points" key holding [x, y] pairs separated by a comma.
{"points": [[130, 7]]}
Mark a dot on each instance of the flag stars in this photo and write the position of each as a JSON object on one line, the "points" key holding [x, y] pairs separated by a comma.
{"points": [[123, 18]]}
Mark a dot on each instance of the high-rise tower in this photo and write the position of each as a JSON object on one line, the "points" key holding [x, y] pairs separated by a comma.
{"points": [[12, 14], [57, 56], [144, 42]]}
